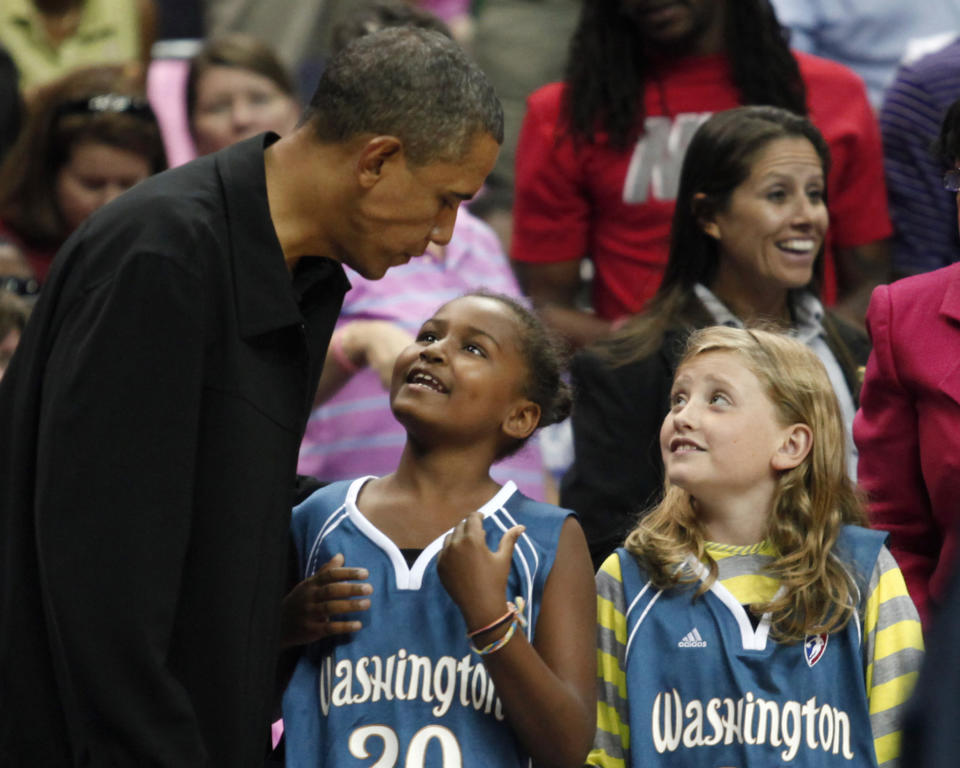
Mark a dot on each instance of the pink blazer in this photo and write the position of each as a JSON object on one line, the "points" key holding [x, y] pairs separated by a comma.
{"points": [[908, 426]]}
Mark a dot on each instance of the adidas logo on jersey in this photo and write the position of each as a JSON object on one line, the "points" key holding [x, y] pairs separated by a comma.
{"points": [[692, 640]]}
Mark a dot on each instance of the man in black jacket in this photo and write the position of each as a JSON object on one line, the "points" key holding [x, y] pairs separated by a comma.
{"points": [[150, 420]]}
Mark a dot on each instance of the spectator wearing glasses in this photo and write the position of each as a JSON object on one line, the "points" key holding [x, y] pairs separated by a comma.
{"points": [[906, 429], [89, 137]]}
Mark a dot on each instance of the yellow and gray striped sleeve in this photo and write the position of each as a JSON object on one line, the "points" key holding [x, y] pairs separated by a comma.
{"points": [[611, 748], [893, 650]]}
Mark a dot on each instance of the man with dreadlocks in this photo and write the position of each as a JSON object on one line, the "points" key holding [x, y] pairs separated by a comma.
{"points": [[599, 154]]}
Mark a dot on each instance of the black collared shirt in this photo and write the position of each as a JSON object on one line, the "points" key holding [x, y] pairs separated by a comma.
{"points": [[149, 427]]}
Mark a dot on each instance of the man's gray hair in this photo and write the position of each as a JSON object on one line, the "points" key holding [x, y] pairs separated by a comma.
{"points": [[411, 83]]}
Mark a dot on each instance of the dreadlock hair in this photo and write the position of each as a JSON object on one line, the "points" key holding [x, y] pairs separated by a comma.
{"points": [[608, 67]]}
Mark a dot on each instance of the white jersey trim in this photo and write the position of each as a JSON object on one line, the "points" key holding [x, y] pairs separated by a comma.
{"points": [[310, 567], [528, 574], [751, 639], [633, 632], [410, 577]]}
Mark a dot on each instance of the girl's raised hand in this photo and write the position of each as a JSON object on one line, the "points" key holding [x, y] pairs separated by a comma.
{"points": [[305, 614], [474, 576]]}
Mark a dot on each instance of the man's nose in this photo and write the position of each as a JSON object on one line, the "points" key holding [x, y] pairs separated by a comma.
{"points": [[442, 230]]}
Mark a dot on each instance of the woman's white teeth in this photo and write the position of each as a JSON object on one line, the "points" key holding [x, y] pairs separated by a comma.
{"points": [[797, 244]]}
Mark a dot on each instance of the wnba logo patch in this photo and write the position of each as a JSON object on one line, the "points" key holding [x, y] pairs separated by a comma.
{"points": [[813, 648]]}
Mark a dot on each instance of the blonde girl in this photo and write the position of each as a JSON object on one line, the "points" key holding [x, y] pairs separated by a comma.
{"points": [[750, 619]]}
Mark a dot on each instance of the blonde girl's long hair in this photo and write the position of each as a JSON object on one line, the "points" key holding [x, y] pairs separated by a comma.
{"points": [[811, 503]]}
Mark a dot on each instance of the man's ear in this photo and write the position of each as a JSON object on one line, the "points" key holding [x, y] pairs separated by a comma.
{"points": [[705, 216], [797, 443], [522, 420], [373, 155]]}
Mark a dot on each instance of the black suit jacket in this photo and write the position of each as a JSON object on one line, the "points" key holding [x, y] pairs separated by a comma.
{"points": [[149, 428]]}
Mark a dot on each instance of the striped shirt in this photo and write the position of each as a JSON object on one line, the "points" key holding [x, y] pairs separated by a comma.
{"points": [[924, 214], [891, 649]]}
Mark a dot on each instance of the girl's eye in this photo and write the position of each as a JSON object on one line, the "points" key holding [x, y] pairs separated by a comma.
{"points": [[677, 400], [777, 195], [427, 337], [719, 399], [815, 195], [474, 349]]}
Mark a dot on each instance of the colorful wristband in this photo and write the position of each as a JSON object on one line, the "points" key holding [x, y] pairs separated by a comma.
{"points": [[514, 610], [511, 612], [497, 644]]}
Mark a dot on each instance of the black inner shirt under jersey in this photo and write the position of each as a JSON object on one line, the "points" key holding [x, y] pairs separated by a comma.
{"points": [[410, 555]]}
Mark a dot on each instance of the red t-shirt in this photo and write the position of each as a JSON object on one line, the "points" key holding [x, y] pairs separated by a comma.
{"points": [[616, 206]]}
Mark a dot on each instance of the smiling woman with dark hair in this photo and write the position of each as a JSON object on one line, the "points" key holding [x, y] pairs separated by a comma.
{"points": [[599, 154], [746, 246]]}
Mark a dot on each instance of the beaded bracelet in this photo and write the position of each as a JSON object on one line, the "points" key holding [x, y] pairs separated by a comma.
{"points": [[497, 644], [511, 612], [514, 610]]}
